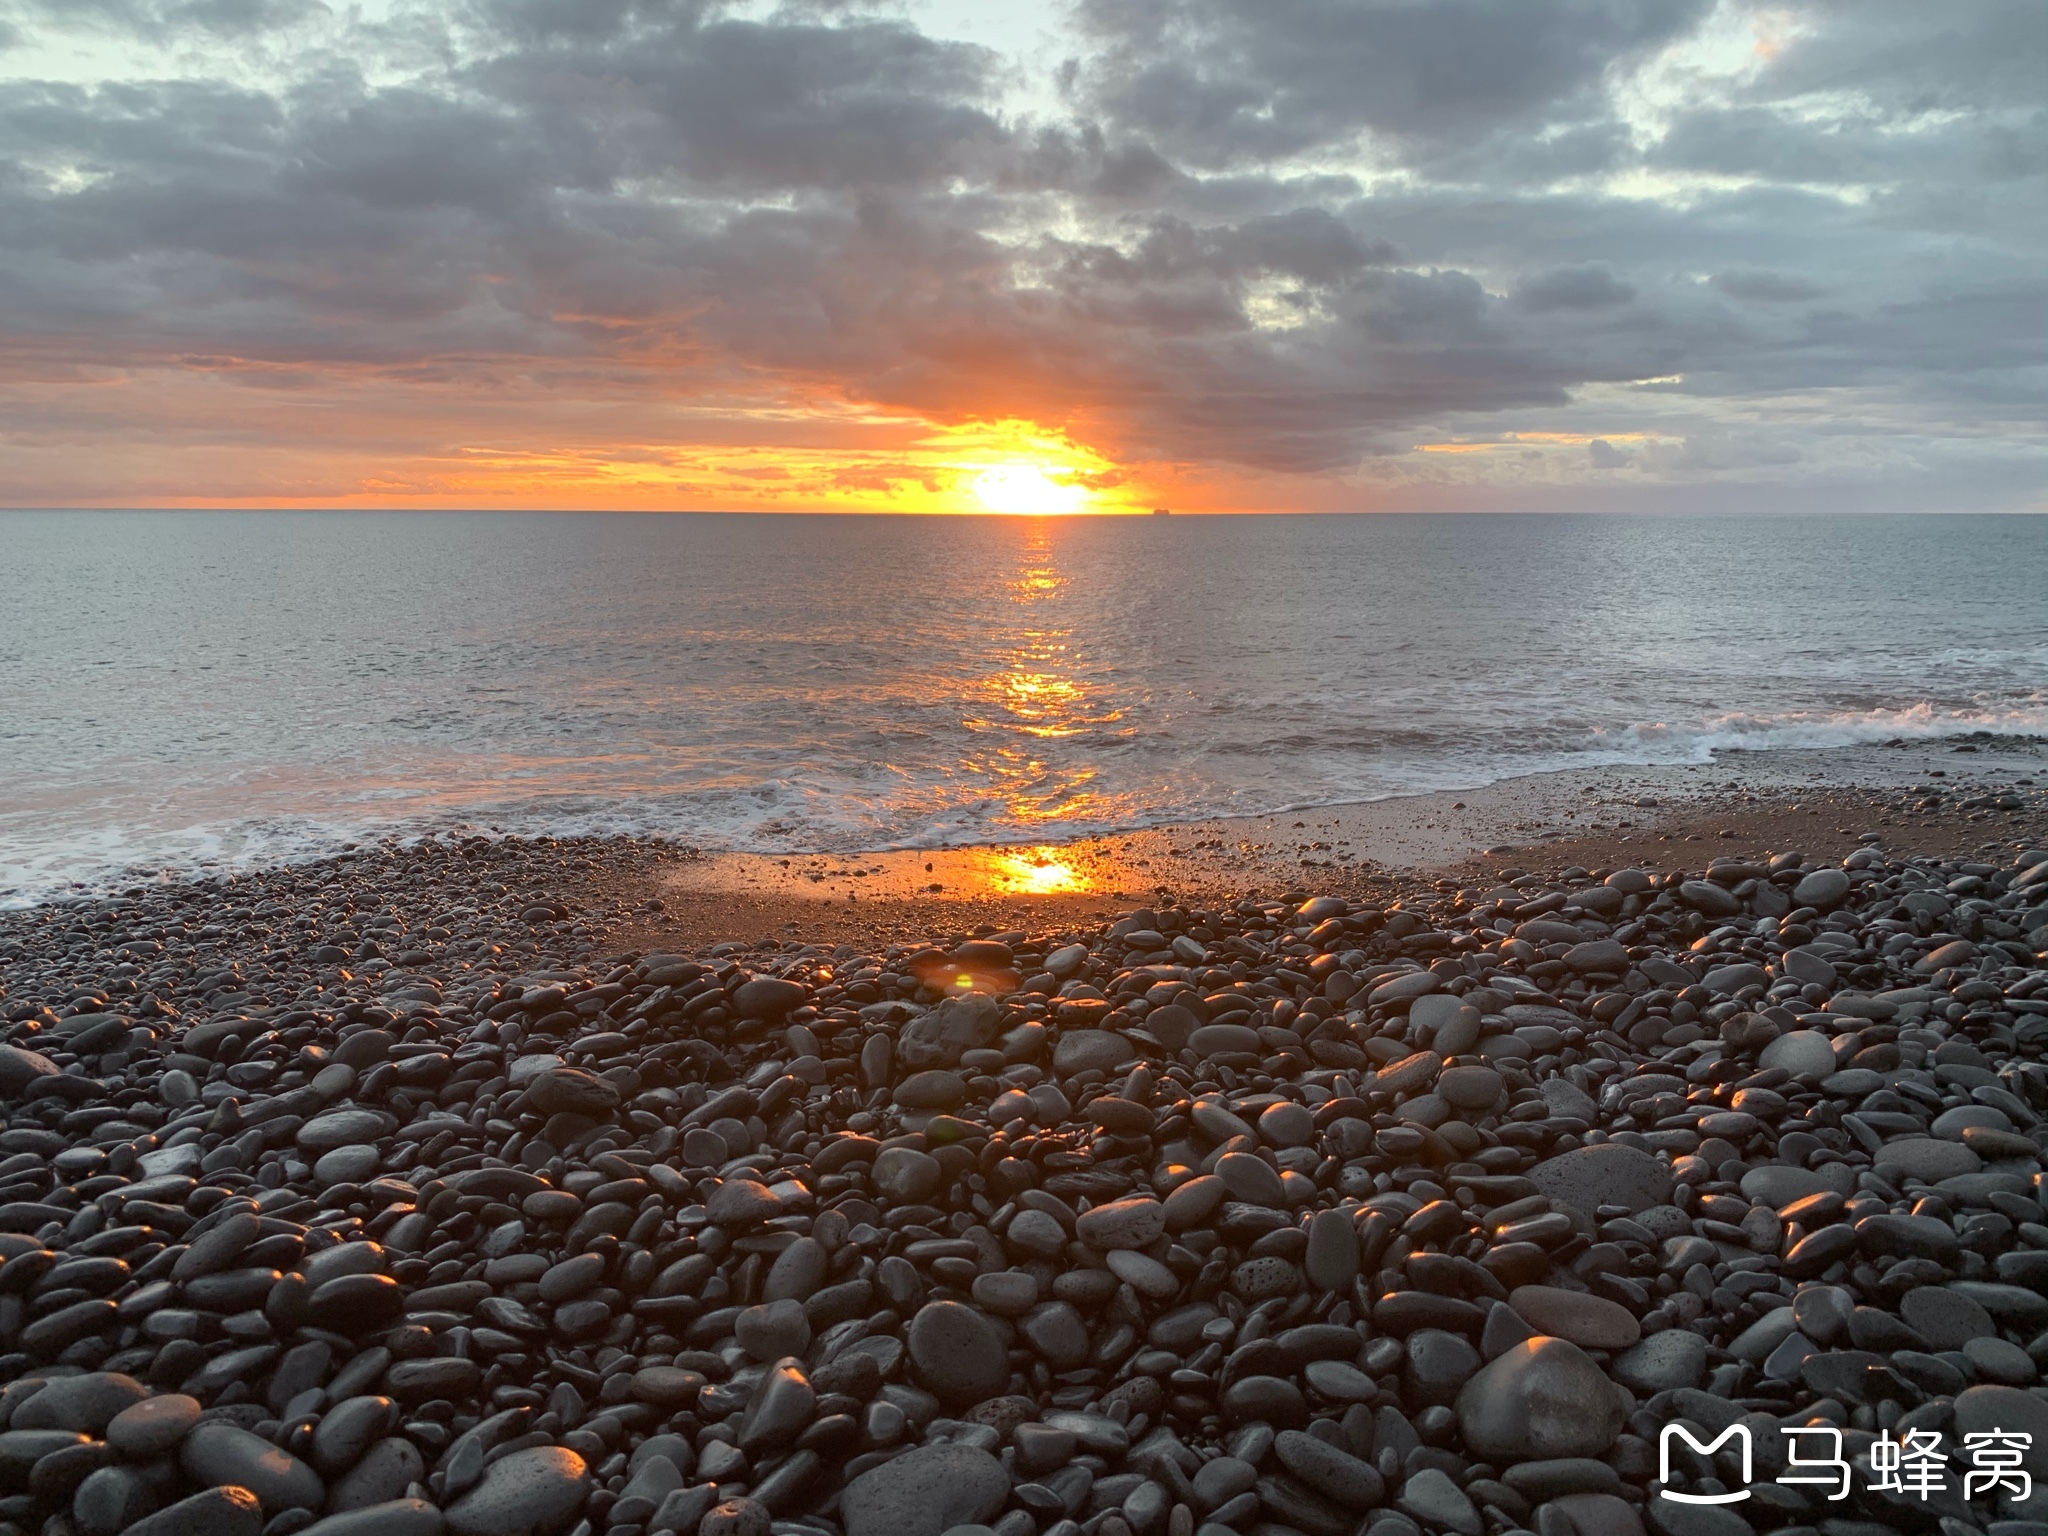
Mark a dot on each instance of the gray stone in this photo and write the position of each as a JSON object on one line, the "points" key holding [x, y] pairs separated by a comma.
{"points": [[1097, 1050], [1945, 1319], [925, 1492], [153, 1426], [780, 1408], [387, 1469], [110, 1500], [355, 1163], [215, 1512], [220, 1454], [1471, 1087], [1607, 1174], [342, 1128], [88, 1403], [774, 1329], [1439, 1503], [1252, 1180], [1135, 1223], [1566, 1099], [19, 1068], [1822, 889], [941, 1036], [1925, 1157], [1056, 1331], [906, 1176], [1809, 965], [1592, 1322], [529, 1493], [958, 1354], [396, 1517], [1337, 1475], [1541, 1400], [1332, 1259], [1802, 1052]]}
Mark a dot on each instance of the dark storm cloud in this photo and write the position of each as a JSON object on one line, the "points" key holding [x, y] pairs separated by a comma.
{"points": [[1227, 82], [1202, 259]]}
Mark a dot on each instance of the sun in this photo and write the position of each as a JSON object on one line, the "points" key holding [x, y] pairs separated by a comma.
{"points": [[1027, 490]]}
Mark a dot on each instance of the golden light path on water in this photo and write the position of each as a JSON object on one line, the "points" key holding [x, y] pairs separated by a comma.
{"points": [[1036, 693]]}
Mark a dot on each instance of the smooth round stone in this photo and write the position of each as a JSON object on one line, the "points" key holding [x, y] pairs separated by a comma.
{"points": [[1943, 1318], [1431, 1497], [1809, 966], [1287, 1125], [1136, 1223], [215, 1512], [1779, 1187], [2001, 1361], [1663, 1362], [222, 1455], [938, 1089], [1925, 1157], [1802, 1052], [906, 1176], [347, 1430], [1591, 1322], [925, 1492], [1822, 889], [1607, 1174], [1332, 1260], [387, 1469], [342, 1128], [1006, 1292], [738, 1202], [1541, 1400], [781, 1406], [154, 1426], [1091, 1050], [737, 1517], [1339, 1381], [1226, 1040], [1471, 1087], [958, 1354], [1038, 1233], [110, 1500], [352, 1164], [529, 1493], [357, 1304], [86, 1403], [1439, 1363], [1601, 955], [1056, 1331], [1142, 1273], [394, 1517], [704, 1148], [1252, 1180], [573, 1277], [19, 1068], [798, 1270], [1335, 1474], [666, 1386], [770, 1331], [1265, 1400], [768, 997]]}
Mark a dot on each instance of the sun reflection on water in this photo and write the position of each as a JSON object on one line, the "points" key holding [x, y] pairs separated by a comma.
{"points": [[1034, 697]]}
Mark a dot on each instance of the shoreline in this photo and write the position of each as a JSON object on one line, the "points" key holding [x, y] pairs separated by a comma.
{"points": [[1819, 800]]}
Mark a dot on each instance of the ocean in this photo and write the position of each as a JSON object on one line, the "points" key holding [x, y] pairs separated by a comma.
{"points": [[184, 691]]}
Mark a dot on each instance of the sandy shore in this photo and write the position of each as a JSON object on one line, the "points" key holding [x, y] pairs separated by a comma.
{"points": [[1821, 803]]}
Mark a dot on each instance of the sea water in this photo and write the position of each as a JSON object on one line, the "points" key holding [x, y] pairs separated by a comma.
{"points": [[191, 690]]}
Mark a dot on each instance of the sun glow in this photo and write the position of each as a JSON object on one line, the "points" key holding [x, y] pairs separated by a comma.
{"points": [[1027, 490]]}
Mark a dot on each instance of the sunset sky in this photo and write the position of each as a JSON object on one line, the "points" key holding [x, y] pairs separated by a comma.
{"points": [[1024, 255]]}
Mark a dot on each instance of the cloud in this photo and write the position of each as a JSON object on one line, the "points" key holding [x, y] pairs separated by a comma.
{"points": [[1279, 246]]}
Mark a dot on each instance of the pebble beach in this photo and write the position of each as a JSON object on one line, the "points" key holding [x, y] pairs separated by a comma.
{"points": [[455, 1188]]}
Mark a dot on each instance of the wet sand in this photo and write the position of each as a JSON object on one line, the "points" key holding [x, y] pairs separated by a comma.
{"points": [[1821, 803]]}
